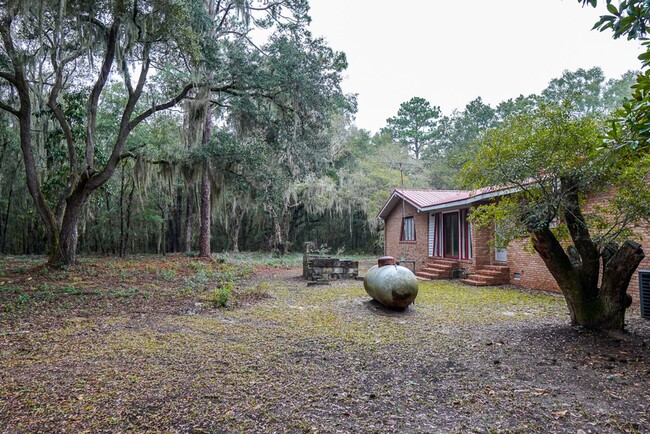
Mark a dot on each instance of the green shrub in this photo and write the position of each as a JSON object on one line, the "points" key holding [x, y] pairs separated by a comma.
{"points": [[70, 290], [201, 277], [221, 295], [21, 269], [167, 274], [123, 293], [197, 265]]}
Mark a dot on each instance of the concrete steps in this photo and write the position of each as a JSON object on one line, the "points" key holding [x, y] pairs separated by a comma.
{"points": [[489, 275], [436, 269]]}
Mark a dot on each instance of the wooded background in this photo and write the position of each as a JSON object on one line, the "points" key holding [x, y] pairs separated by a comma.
{"points": [[160, 126]]}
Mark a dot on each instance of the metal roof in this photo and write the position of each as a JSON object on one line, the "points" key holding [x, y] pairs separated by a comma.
{"points": [[427, 200]]}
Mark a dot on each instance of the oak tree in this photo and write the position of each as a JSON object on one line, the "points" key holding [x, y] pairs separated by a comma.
{"points": [[553, 159]]}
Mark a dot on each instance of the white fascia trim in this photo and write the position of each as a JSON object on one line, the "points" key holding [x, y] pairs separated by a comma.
{"points": [[388, 207]]}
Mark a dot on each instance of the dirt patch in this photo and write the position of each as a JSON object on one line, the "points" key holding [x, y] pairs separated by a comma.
{"points": [[103, 356]]}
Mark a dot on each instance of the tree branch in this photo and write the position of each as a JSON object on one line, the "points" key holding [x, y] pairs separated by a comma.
{"points": [[580, 235], [93, 100], [24, 119], [8, 108], [556, 259], [10, 78], [125, 125], [163, 106], [618, 271], [60, 117], [127, 76], [225, 15], [95, 21]]}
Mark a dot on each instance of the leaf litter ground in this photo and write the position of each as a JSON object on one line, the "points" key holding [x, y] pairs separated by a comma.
{"points": [[140, 346]]}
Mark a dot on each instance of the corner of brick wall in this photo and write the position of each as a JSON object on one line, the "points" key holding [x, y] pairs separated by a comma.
{"points": [[418, 251], [532, 271]]}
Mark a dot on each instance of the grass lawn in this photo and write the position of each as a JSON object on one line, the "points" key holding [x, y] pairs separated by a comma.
{"points": [[242, 344]]}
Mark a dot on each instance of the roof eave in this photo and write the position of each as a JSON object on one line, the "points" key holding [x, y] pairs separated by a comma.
{"points": [[387, 208], [470, 200]]}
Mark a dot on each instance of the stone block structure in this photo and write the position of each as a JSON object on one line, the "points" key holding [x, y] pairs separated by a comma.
{"points": [[319, 268]]}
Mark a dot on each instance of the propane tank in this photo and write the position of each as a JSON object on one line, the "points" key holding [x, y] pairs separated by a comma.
{"points": [[392, 285]]}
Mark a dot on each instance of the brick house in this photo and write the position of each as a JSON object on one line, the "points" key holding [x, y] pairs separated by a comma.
{"points": [[428, 231]]}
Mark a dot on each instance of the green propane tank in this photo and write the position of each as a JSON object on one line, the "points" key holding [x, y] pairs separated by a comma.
{"points": [[392, 285]]}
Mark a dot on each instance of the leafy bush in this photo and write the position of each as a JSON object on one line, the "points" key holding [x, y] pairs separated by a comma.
{"points": [[221, 295], [167, 274]]}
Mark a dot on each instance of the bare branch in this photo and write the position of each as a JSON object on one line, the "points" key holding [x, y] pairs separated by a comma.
{"points": [[96, 22], [128, 154], [104, 175], [267, 7], [24, 118], [142, 79], [127, 76], [60, 117], [159, 107], [225, 15]]}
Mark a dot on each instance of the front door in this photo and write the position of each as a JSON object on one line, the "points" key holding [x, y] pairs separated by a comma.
{"points": [[450, 234]]}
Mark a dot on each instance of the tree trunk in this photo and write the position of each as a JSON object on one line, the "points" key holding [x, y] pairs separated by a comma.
{"points": [[617, 273], [64, 250], [111, 232], [589, 306], [122, 240], [235, 227], [206, 191], [178, 219], [162, 239], [206, 205], [170, 233], [278, 240], [125, 223], [5, 217], [2, 230], [189, 209]]}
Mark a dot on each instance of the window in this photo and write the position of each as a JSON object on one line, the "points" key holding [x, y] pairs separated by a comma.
{"points": [[408, 229]]}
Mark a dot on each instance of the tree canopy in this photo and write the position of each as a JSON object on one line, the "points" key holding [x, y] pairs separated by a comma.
{"points": [[58, 58], [415, 125]]}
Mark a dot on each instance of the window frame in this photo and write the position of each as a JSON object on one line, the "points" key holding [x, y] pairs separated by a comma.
{"points": [[404, 231]]}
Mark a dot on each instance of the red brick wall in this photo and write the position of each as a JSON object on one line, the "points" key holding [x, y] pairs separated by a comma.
{"points": [[532, 271], [482, 250], [414, 251]]}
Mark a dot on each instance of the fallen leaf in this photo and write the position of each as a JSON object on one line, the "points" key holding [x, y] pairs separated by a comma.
{"points": [[560, 413]]}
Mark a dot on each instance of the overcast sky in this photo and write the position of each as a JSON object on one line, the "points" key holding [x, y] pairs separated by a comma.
{"points": [[450, 52]]}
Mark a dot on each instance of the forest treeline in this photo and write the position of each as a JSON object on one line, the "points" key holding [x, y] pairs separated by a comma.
{"points": [[159, 127]]}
